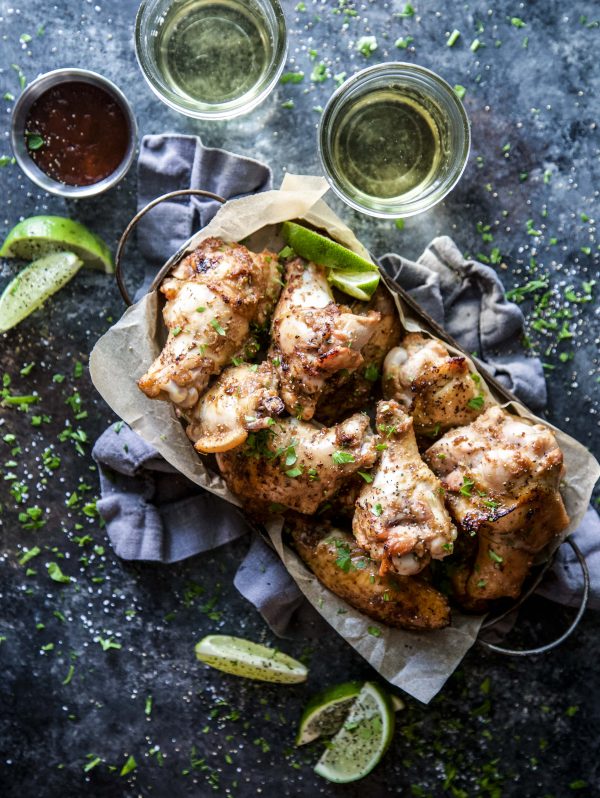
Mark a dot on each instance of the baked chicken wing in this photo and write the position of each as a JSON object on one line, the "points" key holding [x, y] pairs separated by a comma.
{"points": [[344, 568], [501, 475], [437, 389], [345, 393], [243, 399], [297, 465], [400, 517], [313, 338], [213, 296]]}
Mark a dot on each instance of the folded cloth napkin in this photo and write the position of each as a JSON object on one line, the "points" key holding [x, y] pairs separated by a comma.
{"points": [[153, 513]]}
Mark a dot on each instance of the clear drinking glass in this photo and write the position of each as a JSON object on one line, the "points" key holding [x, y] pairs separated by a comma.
{"points": [[211, 59], [394, 139]]}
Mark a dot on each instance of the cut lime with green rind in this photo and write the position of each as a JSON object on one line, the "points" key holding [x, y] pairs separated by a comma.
{"points": [[250, 660], [326, 711], [360, 285], [363, 739], [39, 236], [34, 284], [323, 251]]}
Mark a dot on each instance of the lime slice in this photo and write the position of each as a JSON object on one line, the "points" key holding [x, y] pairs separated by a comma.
{"points": [[322, 250], [360, 285], [326, 711], [34, 284], [363, 739], [42, 235], [244, 658]]}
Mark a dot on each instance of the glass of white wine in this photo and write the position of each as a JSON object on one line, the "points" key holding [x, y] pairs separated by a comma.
{"points": [[394, 139], [211, 59]]}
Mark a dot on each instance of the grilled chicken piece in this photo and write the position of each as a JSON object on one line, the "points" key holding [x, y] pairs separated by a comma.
{"points": [[437, 389], [213, 296], [345, 393], [400, 517], [313, 338], [297, 465], [243, 399], [337, 561], [501, 474]]}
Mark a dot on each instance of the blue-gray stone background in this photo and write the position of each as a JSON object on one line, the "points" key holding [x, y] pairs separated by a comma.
{"points": [[102, 669]]}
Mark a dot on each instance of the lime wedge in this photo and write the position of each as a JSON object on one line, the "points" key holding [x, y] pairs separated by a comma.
{"points": [[360, 285], [363, 739], [323, 251], [326, 711], [34, 284], [244, 658], [42, 235]]}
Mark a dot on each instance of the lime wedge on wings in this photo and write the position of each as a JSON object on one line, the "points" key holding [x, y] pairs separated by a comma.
{"points": [[363, 739], [38, 236], [251, 660], [322, 250], [360, 285], [34, 284]]}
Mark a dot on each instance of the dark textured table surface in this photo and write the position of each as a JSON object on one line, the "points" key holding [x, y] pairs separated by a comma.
{"points": [[72, 713]]}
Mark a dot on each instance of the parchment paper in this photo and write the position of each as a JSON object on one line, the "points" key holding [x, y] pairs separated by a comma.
{"points": [[419, 663]]}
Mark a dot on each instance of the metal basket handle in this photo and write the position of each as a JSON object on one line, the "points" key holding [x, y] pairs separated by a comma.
{"points": [[512, 652], [123, 240]]}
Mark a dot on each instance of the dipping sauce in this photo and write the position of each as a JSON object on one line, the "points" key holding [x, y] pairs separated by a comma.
{"points": [[77, 133]]}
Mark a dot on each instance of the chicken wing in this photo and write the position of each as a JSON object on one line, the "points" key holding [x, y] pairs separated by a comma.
{"points": [[313, 337], [294, 464], [336, 560], [400, 517], [213, 296], [501, 474], [243, 399], [438, 390], [345, 393]]}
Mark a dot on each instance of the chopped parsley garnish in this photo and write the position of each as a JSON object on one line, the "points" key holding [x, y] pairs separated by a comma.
{"points": [[34, 141], [343, 559], [56, 574], [495, 557], [366, 45], [371, 372], [460, 91], [292, 77], [367, 477], [374, 630], [467, 486], [176, 331], [403, 42], [214, 323], [294, 472], [453, 38], [130, 765], [476, 403], [377, 509], [340, 458]]}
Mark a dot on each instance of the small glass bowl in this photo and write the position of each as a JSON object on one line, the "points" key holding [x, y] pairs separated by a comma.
{"points": [[421, 88], [150, 18], [19, 147]]}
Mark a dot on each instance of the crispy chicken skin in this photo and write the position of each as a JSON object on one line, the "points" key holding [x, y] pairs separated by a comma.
{"points": [[337, 561], [437, 389], [213, 296], [400, 518], [243, 399], [296, 464], [501, 475], [345, 393], [313, 338]]}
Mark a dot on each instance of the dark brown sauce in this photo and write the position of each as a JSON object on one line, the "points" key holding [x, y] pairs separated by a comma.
{"points": [[84, 131]]}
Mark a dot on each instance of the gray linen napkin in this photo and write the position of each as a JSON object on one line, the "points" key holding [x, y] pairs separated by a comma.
{"points": [[153, 513]]}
